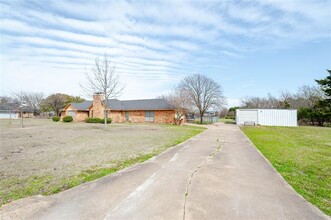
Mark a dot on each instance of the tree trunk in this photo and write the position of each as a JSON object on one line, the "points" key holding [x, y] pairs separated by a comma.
{"points": [[312, 121], [21, 119], [105, 118], [201, 119]]}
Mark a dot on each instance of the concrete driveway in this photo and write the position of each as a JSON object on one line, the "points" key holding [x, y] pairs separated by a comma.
{"points": [[216, 175]]}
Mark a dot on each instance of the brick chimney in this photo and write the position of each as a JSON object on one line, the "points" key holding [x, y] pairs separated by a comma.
{"points": [[98, 106]]}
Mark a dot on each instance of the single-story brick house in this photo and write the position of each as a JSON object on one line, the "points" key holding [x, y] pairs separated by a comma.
{"points": [[147, 110]]}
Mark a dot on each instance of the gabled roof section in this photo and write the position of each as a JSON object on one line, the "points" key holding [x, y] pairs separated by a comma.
{"points": [[82, 106], [9, 106], [144, 104], [114, 104], [14, 107], [129, 105]]}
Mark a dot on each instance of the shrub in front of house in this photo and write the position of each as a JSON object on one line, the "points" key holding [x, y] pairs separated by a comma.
{"points": [[67, 118], [92, 120], [56, 118], [97, 120]]}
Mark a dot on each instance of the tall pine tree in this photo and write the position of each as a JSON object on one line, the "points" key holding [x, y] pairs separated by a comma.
{"points": [[326, 87]]}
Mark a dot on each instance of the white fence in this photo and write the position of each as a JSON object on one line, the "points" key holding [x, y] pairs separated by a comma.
{"points": [[270, 117]]}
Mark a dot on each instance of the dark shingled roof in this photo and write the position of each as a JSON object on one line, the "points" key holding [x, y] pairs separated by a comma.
{"points": [[127, 105], [144, 104], [114, 104], [14, 107], [82, 105], [9, 106]]}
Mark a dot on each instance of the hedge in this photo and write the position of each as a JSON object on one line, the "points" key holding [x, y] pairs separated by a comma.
{"points": [[97, 120], [67, 118], [56, 118]]}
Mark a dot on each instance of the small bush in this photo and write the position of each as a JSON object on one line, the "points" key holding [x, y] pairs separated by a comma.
{"points": [[92, 120], [230, 117], [97, 120], [56, 118], [67, 118]]}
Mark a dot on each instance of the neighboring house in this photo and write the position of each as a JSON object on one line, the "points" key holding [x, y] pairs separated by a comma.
{"points": [[7, 111], [12, 111], [147, 110]]}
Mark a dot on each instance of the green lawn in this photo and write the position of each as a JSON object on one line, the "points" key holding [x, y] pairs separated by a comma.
{"points": [[227, 120], [302, 155]]}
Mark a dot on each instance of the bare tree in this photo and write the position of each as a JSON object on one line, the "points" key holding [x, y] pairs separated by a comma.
{"points": [[251, 102], [262, 102], [203, 92], [308, 96], [20, 103], [223, 112], [103, 79], [287, 99], [5, 100], [33, 100], [55, 102], [179, 98]]}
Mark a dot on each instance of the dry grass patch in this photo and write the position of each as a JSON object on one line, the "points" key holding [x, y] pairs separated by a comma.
{"points": [[46, 158]]}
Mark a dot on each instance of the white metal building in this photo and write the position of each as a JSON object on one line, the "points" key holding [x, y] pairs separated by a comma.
{"points": [[270, 117]]}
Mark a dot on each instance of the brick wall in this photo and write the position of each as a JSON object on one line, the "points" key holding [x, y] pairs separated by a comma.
{"points": [[160, 116], [79, 115], [164, 116], [136, 116], [27, 115], [98, 107], [116, 116]]}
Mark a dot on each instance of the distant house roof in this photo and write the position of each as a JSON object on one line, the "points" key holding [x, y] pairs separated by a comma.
{"points": [[82, 105], [14, 107], [7, 107], [144, 104], [127, 105]]}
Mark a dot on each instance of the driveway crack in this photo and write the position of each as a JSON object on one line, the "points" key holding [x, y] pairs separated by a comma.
{"points": [[209, 158]]}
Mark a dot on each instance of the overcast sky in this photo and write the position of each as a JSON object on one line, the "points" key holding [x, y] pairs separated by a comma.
{"points": [[251, 48]]}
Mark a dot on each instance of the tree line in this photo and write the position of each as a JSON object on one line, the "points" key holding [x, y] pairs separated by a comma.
{"points": [[196, 93], [37, 102]]}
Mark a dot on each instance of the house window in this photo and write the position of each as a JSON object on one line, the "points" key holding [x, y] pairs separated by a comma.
{"points": [[127, 116], [71, 113], [149, 116]]}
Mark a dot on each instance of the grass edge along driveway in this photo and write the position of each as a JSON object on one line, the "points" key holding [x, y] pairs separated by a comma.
{"points": [[45, 184], [302, 155]]}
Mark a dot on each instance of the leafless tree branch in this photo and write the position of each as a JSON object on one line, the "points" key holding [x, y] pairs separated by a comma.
{"points": [[102, 79], [203, 92]]}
